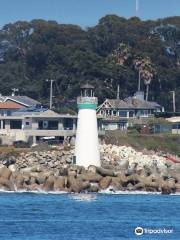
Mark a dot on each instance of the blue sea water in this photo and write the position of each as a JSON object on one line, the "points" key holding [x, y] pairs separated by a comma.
{"points": [[28, 216]]}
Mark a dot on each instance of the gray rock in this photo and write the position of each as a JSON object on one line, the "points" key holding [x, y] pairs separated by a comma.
{"points": [[91, 177], [5, 172], [59, 183], [12, 168], [93, 188], [105, 172], [105, 182], [49, 184]]}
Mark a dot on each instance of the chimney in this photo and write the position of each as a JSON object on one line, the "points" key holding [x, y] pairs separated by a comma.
{"points": [[139, 95], [134, 100]]}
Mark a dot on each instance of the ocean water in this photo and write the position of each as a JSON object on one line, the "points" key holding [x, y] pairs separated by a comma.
{"points": [[30, 216]]}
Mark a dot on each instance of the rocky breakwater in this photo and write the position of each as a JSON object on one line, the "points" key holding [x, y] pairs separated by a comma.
{"points": [[122, 169], [144, 171]]}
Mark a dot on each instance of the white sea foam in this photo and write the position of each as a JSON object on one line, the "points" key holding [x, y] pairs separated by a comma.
{"points": [[34, 191], [110, 191], [81, 197], [129, 193], [88, 196]]}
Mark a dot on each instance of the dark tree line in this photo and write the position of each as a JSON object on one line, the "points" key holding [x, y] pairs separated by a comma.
{"points": [[111, 53]]}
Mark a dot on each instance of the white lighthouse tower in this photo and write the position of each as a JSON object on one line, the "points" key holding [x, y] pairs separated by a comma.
{"points": [[87, 145]]}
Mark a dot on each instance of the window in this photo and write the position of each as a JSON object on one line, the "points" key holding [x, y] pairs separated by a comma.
{"points": [[27, 123], [53, 125], [176, 126], [131, 113], [123, 113], [68, 123], [9, 112], [15, 124], [114, 113]]}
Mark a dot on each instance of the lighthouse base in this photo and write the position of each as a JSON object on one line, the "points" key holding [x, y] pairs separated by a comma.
{"points": [[87, 145]]}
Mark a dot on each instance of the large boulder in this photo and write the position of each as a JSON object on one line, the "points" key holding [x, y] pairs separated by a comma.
{"points": [[133, 179], [90, 176], [105, 182], [12, 168], [40, 178], [92, 168], [33, 187], [93, 188], [19, 181], [27, 179], [49, 184], [72, 173], [5, 172], [59, 183], [75, 185], [116, 183], [174, 172], [123, 179], [130, 187], [175, 167], [105, 172], [124, 164], [86, 185], [6, 184], [10, 161], [166, 188], [151, 186], [63, 171], [172, 183], [139, 186], [177, 187]]}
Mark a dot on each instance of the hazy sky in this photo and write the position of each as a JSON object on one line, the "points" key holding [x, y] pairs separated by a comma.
{"points": [[83, 12]]}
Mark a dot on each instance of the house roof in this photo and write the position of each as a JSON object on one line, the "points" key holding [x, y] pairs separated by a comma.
{"points": [[117, 103], [10, 105], [23, 100], [129, 103], [40, 113], [141, 104], [87, 86]]}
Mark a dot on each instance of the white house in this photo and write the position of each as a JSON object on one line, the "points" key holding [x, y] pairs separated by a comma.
{"points": [[117, 113]]}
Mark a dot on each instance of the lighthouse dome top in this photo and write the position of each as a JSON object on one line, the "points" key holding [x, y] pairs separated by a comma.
{"points": [[87, 86], [87, 100]]}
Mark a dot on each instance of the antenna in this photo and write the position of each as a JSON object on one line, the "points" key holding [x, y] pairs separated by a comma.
{"points": [[51, 92], [137, 8], [174, 101]]}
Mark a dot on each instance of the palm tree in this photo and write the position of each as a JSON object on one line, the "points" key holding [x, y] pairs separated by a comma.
{"points": [[121, 54], [147, 71]]}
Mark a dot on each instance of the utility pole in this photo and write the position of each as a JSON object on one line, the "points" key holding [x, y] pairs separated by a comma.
{"points": [[51, 92], [174, 101], [118, 90], [139, 81]]}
